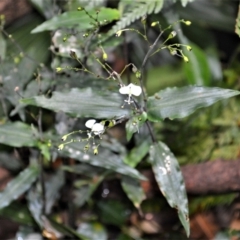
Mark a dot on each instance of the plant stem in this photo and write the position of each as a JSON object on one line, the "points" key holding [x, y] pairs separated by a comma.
{"points": [[42, 186]]}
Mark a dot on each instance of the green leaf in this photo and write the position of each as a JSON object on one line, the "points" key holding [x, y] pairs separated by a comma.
{"points": [[197, 70], [137, 154], [17, 134], [134, 124], [133, 190], [3, 47], [92, 231], [105, 159], [82, 103], [237, 26], [78, 20], [113, 212], [181, 102], [170, 180], [18, 213], [18, 185], [85, 192]]}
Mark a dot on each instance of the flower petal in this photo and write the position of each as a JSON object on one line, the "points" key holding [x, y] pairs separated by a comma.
{"points": [[97, 128], [90, 123], [124, 90], [136, 90]]}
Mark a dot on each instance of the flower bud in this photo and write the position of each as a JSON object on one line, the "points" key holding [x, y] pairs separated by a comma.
{"points": [[185, 59], [189, 48], [61, 146], [153, 24], [58, 69], [105, 56], [172, 34], [118, 33]]}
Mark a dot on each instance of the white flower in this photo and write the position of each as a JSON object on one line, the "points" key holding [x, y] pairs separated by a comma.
{"points": [[96, 128], [130, 90]]}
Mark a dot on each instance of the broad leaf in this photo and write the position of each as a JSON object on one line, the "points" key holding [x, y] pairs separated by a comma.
{"points": [[133, 190], [170, 180], [134, 124], [105, 159], [18, 185], [17, 134], [181, 102], [78, 19], [82, 103]]}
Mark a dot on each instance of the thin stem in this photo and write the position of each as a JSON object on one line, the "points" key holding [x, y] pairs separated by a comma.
{"points": [[151, 48], [42, 186], [151, 131], [126, 56]]}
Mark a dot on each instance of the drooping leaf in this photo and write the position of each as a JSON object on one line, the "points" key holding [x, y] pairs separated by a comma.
{"points": [[137, 154], [105, 159], [35, 198], [237, 26], [78, 19], [92, 231], [17, 134], [86, 190], [134, 124], [53, 186], [18, 213], [181, 102], [18, 185], [82, 103], [170, 180], [133, 190]]}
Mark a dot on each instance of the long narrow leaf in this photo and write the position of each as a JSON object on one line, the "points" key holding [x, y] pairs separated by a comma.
{"points": [[181, 102], [82, 103], [18, 185], [170, 180], [78, 19], [17, 134]]}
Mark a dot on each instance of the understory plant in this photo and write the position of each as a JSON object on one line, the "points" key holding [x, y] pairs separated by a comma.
{"points": [[66, 117]]}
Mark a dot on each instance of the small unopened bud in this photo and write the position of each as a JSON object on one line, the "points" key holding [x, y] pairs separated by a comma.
{"points": [[95, 151], [105, 56], [173, 51], [80, 8], [153, 24], [189, 48], [118, 33], [73, 54], [134, 69], [64, 138], [185, 59], [61, 146], [64, 39], [138, 74], [172, 34], [143, 20], [58, 69], [188, 23]]}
